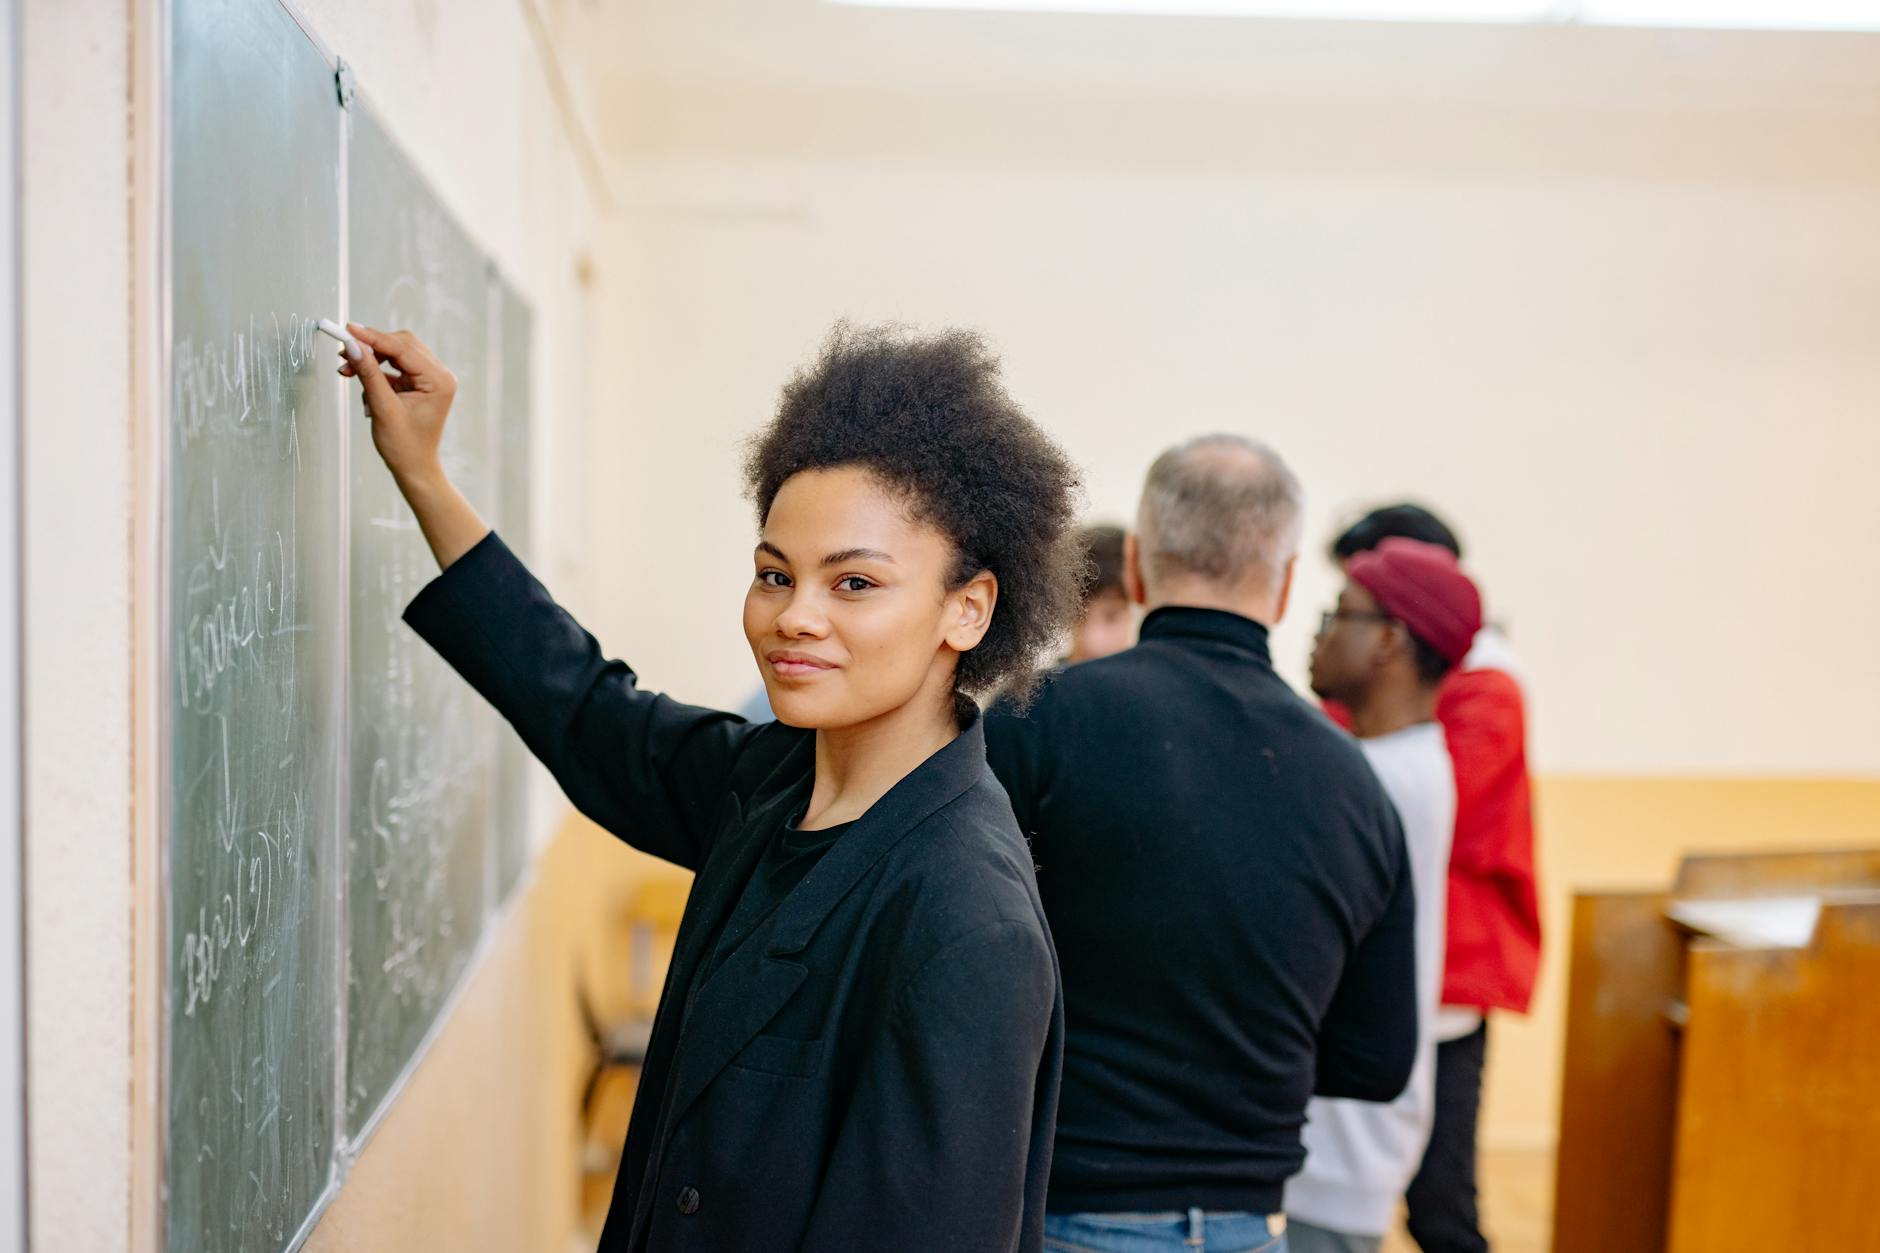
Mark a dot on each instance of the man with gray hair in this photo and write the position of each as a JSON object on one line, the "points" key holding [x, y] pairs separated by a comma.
{"points": [[1226, 882]]}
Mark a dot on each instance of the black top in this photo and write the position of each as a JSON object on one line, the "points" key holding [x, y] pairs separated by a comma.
{"points": [[787, 859], [876, 1063], [1229, 890]]}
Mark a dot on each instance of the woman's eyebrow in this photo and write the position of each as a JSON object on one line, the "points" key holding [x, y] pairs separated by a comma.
{"points": [[765, 546], [856, 554]]}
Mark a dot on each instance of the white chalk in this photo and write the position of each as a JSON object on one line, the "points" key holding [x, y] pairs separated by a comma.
{"points": [[353, 347]]}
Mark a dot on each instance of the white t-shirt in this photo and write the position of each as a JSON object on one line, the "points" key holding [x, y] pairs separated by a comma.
{"points": [[1361, 1155]]}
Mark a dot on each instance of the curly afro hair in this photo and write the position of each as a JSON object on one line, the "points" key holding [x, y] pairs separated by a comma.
{"points": [[930, 417]]}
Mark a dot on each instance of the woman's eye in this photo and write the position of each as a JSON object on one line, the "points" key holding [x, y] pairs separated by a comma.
{"points": [[773, 578], [853, 583]]}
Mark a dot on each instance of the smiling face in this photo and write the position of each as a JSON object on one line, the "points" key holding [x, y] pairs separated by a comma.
{"points": [[849, 614]]}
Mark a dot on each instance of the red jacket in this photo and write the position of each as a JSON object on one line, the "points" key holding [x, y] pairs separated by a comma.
{"points": [[1494, 940]]}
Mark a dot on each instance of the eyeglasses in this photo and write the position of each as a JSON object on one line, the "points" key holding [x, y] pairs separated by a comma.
{"points": [[1350, 615]]}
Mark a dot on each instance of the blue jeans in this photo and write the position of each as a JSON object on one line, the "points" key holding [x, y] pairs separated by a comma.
{"points": [[1157, 1233]]}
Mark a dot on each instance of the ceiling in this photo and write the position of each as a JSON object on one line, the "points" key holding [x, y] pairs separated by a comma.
{"points": [[659, 75], [806, 43]]}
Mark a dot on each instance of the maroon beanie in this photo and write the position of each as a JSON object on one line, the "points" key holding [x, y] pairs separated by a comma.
{"points": [[1421, 586]]}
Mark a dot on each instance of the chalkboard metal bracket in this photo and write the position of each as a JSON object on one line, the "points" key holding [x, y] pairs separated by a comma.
{"points": [[343, 82]]}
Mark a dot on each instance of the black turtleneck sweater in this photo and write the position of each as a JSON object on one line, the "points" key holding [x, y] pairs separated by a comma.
{"points": [[1228, 889]]}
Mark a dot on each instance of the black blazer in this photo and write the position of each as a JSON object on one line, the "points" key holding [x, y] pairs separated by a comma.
{"points": [[876, 1066]]}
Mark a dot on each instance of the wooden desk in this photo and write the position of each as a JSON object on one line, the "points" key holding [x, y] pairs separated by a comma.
{"points": [[1717, 1097]]}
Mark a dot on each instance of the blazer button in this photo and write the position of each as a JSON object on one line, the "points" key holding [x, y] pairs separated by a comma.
{"points": [[687, 1200]]}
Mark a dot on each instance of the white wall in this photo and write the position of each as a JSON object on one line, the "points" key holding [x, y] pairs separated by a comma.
{"points": [[1623, 338], [76, 369], [12, 960]]}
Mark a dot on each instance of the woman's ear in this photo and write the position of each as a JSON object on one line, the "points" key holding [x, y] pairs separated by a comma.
{"points": [[969, 611]]}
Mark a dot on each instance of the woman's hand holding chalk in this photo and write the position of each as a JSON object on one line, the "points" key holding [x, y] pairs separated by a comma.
{"points": [[408, 411], [330, 327], [408, 408]]}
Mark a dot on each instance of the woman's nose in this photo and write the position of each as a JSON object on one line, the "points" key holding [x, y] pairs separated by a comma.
{"points": [[802, 617]]}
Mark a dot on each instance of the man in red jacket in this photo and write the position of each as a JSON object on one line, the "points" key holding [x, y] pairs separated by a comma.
{"points": [[1494, 928]]}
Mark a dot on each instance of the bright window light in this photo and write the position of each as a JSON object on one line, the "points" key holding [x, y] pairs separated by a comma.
{"points": [[1844, 15], [1764, 14], [1375, 10]]}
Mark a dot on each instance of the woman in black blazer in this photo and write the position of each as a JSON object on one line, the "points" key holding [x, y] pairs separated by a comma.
{"points": [[859, 1040]]}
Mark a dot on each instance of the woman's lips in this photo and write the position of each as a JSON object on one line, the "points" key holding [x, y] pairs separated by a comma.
{"points": [[790, 667]]}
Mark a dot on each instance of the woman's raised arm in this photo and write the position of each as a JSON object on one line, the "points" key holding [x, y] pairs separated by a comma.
{"points": [[649, 769]]}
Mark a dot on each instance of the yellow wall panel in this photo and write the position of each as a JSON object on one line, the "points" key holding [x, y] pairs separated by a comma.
{"points": [[1602, 832]]}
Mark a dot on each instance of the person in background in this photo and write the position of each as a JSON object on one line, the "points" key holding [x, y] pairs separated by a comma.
{"points": [[1108, 623], [1224, 876], [1405, 618], [862, 1030], [1493, 942]]}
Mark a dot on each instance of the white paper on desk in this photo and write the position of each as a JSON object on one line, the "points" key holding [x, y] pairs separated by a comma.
{"points": [[1751, 922]]}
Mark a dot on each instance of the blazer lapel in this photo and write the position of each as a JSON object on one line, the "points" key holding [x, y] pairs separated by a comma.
{"points": [[727, 1012], [759, 979], [742, 835], [934, 783]]}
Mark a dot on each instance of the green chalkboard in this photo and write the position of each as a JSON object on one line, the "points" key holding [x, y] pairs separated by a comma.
{"points": [[423, 745], [343, 813], [255, 634]]}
